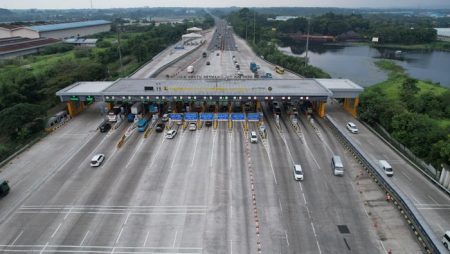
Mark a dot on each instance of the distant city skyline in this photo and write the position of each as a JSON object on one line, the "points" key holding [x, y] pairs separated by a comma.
{"points": [[82, 4]]}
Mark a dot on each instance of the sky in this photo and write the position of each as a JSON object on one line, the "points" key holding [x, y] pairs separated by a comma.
{"points": [[68, 4]]}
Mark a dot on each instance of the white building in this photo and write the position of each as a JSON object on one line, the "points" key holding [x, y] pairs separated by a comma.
{"points": [[58, 31]]}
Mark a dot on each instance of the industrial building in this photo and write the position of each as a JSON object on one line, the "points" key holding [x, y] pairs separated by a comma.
{"points": [[57, 31], [18, 46]]}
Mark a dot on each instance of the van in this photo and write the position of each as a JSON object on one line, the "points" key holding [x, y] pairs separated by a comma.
{"points": [[384, 165], [298, 172], [337, 166], [446, 240]]}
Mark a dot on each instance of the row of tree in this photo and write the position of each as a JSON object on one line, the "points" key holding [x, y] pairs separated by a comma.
{"points": [[412, 120], [388, 30]]}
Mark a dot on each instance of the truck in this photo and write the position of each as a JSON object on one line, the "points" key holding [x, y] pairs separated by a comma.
{"points": [[113, 114], [142, 124], [4, 188], [190, 69], [253, 67], [136, 109]]}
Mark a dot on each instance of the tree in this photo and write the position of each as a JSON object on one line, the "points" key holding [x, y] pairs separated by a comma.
{"points": [[14, 119]]}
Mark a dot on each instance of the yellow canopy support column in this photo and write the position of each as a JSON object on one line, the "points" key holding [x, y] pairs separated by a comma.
{"points": [[75, 107], [351, 105], [258, 105], [230, 124], [321, 110]]}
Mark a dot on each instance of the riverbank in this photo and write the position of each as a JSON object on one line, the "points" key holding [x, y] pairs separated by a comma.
{"points": [[437, 45], [414, 112]]}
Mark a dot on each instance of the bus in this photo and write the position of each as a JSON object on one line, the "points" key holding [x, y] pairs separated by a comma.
{"points": [[279, 69]]}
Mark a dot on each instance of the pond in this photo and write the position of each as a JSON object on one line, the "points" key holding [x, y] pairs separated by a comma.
{"points": [[357, 63]]}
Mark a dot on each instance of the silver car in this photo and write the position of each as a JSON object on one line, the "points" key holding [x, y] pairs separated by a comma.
{"points": [[352, 128]]}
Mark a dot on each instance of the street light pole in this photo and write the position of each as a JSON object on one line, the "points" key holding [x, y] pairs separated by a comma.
{"points": [[307, 43]]}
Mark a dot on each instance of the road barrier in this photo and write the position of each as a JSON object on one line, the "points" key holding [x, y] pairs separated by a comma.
{"points": [[428, 240]]}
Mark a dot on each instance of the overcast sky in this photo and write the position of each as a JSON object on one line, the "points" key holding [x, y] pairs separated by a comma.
{"points": [[66, 4]]}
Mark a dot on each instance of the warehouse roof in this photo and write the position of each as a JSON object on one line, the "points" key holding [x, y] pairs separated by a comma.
{"points": [[72, 25]]}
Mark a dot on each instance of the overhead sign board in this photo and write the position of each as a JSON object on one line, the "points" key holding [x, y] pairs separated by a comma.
{"points": [[238, 116], [175, 117], [190, 116], [222, 117], [206, 116], [253, 116]]}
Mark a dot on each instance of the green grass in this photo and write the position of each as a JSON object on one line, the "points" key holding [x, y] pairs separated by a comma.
{"points": [[436, 45], [397, 76]]}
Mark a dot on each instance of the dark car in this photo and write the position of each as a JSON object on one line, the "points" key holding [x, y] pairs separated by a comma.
{"points": [[105, 127], [160, 127], [208, 63], [208, 123], [4, 188]]}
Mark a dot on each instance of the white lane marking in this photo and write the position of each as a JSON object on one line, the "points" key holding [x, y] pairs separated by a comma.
{"points": [[120, 234], [156, 155], [126, 219], [106, 206], [315, 236], [175, 239], [100, 247], [271, 163], [134, 154], [365, 210], [176, 152], [301, 188], [311, 153], [121, 213], [43, 249], [213, 145], [304, 198], [231, 247], [442, 230], [195, 149], [65, 217], [287, 147], [414, 198], [281, 207], [17, 238], [56, 230], [146, 238], [84, 238], [432, 199], [404, 174], [287, 239], [382, 245]]}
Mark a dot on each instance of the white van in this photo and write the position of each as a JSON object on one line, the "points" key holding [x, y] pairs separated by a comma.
{"points": [[446, 240], [384, 165], [337, 166]]}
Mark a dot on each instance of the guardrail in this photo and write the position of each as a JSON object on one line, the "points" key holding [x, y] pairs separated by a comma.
{"points": [[430, 243]]}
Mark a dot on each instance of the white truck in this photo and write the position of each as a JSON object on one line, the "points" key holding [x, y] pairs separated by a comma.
{"points": [[190, 69], [136, 109], [113, 114]]}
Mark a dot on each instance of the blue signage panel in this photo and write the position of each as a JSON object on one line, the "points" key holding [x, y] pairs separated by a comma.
{"points": [[238, 116], [222, 116], [190, 116], [206, 116], [175, 117], [253, 116]]}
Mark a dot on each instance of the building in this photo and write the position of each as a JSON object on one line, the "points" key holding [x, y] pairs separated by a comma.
{"points": [[282, 18], [194, 30], [443, 34], [82, 42], [18, 46], [57, 31]]}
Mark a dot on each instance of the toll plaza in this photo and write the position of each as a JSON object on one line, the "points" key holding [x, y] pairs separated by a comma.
{"points": [[213, 96]]}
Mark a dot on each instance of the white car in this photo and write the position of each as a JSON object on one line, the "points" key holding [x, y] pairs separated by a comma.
{"points": [[171, 134], [253, 137], [192, 126], [352, 128], [97, 160], [298, 172], [165, 118]]}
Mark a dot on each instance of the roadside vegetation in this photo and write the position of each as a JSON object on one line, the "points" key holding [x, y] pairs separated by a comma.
{"points": [[415, 112], [258, 33], [28, 85]]}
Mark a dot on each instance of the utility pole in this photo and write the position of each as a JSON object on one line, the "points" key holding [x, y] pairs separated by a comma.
{"points": [[118, 48], [91, 5], [254, 26], [307, 43]]}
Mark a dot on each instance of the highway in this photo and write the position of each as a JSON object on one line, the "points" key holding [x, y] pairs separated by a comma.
{"points": [[205, 191]]}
